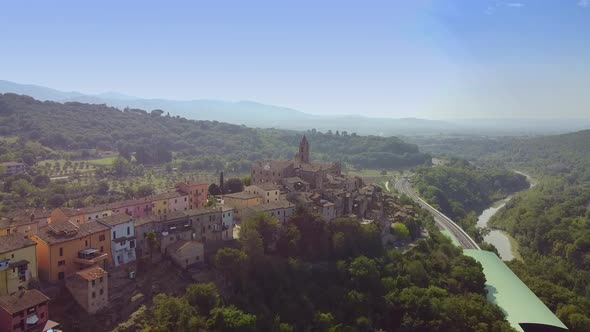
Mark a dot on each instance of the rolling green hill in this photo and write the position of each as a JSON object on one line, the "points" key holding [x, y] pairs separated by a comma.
{"points": [[78, 126]]}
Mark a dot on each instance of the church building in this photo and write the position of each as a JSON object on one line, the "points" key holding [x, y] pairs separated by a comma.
{"points": [[314, 173]]}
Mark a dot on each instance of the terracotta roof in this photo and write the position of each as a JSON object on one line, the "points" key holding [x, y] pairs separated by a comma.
{"points": [[92, 273], [267, 186], [130, 202], [93, 209], [28, 213], [10, 222], [367, 190], [282, 204], [300, 197], [178, 245], [203, 210], [23, 217], [172, 215], [21, 301], [145, 220], [13, 242], [64, 227], [273, 164], [160, 217], [70, 212], [241, 195], [115, 219], [335, 179], [315, 166], [295, 179], [67, 231]]}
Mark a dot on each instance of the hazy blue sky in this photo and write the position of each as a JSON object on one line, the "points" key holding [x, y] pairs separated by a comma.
{"points": [[434, 59]]}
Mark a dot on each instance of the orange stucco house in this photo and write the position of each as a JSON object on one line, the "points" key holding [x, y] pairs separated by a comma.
{"points": [[198, 193], [65, 248]]}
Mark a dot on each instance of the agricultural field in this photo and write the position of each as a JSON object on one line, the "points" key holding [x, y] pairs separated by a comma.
{"points": [[162, 181], [107, 161], [8, 139], [62, 167], [376, 176], [159, 178]]}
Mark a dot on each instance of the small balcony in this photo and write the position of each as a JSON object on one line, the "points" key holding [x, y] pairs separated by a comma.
{"points": [[18, 270], [4, 264], [90, 257]]}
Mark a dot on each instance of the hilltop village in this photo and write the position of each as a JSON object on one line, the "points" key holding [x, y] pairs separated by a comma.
{"points": [[75, 250]]}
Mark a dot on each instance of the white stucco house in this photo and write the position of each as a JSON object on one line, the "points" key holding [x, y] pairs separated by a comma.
{"points": [[227, 221], [123, 242]]}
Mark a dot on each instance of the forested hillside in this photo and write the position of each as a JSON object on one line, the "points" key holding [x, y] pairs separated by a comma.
{"points": [[544, 155], [311, 275], [565, 155], [154, 135], [552, 223], [462, 191]]}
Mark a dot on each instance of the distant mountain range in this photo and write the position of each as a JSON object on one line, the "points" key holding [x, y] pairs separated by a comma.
{"points": [[259, 115]]}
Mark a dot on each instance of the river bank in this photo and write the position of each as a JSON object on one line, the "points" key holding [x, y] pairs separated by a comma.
{"points": [[507, 245]]}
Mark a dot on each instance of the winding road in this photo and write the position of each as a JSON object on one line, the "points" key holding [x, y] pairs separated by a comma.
{"points": [[403, 185]]}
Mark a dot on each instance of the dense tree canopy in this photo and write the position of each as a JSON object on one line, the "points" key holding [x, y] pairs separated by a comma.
{"points": [[552, 225], [551, 221], [310, 275], [461, 191], [294, 284]]}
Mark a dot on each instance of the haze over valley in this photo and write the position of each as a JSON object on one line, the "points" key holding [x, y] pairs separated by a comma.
{"points": [[333, 166], [256, 114]]}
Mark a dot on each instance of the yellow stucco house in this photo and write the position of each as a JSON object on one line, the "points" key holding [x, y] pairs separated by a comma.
{"points": [[18, 263], [240, 201], [23, 226], [269, 193], [26, 221]]}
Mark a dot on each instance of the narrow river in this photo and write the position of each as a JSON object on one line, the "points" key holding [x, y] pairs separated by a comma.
{"points": [[496, 237], [499, 239]]}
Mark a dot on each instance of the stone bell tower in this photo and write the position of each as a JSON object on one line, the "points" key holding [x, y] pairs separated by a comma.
{"points": [[303, 154]]}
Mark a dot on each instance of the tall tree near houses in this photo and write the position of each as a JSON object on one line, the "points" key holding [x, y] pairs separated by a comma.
{"points": [[233, 185], [152, 241], [221, 182], [214, 189]]}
